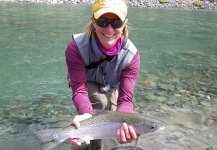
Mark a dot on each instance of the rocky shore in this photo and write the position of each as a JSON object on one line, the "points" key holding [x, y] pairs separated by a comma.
{"points": [[182, 4]]}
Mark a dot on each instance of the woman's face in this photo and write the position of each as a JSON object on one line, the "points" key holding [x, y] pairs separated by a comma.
{"points": [[108, 36]]}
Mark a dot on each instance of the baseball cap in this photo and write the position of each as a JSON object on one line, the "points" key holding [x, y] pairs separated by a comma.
{"points": [[118, 7]]}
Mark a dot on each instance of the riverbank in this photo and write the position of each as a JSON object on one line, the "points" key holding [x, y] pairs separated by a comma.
{"points": [[181, 4]]}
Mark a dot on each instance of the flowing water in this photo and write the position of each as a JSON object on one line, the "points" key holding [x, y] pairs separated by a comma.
{"points": [[177, 82]]}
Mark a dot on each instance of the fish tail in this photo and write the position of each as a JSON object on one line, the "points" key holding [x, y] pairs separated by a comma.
{"points": [[46, 138]]}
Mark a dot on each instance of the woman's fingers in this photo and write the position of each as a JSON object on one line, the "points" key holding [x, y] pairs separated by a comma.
{"points": [[119, 136], [76, 123], [132, 133], [126, 134], [87, 142], [74, 141], [78, 118]]}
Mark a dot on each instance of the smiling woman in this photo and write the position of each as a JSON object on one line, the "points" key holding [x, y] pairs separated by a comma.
{"points": [[108, 29], [103, 65]]}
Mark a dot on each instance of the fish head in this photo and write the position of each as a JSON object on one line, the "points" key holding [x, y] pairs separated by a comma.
{"points": [[156, 126], [150, 125]]}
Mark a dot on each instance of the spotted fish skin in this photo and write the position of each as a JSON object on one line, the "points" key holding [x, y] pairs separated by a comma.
{"points": [[103, 125], [126, 148]]}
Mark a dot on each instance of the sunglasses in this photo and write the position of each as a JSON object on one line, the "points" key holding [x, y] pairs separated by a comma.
{"points": [[115, 23]]}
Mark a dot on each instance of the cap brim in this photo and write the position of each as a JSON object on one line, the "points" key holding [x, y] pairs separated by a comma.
{"points": [[103, 11]]}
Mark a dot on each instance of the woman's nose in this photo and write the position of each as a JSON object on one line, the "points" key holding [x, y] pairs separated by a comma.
{"points": [[109, 27]]}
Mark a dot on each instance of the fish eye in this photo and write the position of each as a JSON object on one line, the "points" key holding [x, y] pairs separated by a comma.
{"points": [[152, 126]]}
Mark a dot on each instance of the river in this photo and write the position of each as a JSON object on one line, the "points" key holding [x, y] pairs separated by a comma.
{"points": [[177, 82]]}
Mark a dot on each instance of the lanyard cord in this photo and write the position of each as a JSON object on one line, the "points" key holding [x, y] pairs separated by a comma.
{"points": [[103, 75], [105, 88]]}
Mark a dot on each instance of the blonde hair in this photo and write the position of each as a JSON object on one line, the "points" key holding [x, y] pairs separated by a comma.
{"points": [[90, 30]]}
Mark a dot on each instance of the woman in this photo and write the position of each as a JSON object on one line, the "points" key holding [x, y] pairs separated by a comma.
{"points": [[103, 65]]}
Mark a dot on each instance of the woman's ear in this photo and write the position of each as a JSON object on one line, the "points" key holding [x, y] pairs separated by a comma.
{"points": [[93, 21]]}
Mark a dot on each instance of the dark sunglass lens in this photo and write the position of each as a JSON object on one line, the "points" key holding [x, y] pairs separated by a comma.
{"points": [[102, 22], [117, 24]]}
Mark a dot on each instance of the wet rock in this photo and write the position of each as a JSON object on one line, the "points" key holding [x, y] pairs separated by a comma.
{"points": [[171, 103], [193, 98], [203, 88], [183, 92], [160, 93], [194, 53], [179, 86], [205, 104], [209, 122], [213, 113], [166, 87], [150, 79], [188, 4], [186, 124]]}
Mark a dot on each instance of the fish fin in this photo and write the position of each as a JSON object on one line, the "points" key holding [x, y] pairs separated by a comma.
{"points": [[100, 111], [46, 135], [46, 138], [49, 145]]}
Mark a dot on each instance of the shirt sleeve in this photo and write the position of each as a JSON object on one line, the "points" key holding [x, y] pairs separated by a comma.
{"points": [[77, 75], [127, 85]]}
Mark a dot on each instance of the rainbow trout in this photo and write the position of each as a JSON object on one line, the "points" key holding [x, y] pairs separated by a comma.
{"points": [[126, 148], [103, 125]]}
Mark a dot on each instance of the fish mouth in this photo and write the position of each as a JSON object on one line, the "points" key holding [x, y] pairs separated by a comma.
{"points": [[162, 128]]}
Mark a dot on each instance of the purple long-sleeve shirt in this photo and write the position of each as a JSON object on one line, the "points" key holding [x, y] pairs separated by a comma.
{"points": [[77, 74]]}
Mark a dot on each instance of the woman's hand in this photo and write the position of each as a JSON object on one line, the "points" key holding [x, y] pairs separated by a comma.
{"points": [[76, 123], [126, 134]]}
